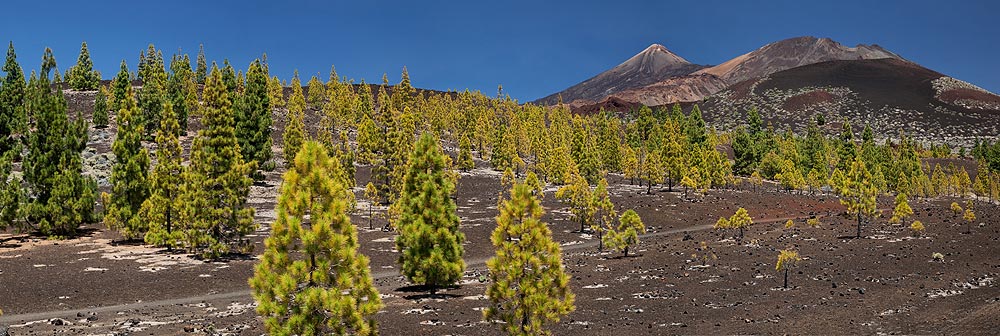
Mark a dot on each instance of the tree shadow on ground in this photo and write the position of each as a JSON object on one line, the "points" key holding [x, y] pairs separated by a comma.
{"points": [[421, 292], [25, 236]]}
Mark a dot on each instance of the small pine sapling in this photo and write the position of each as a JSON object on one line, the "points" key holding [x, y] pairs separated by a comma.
{"points": [[787, 259]]}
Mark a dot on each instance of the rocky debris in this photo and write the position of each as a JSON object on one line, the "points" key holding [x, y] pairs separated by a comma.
{"points": [[59, 322], [88, 317]]}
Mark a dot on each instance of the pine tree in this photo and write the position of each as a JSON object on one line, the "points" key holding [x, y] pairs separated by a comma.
{"points": [[982, 182], [604, 214], [536, 185], [902, 209], [202, 67], [429, 238], [756, 180], [119, 85], [696, 127], [253, 118], [161, 211], [630, 164], [100, 116], [311, 278], [82, 76], [129, 188], [153, 92], [371, 194], [627, 233], [917, 227], [577, 194], [969, 217], [848, 149], [181, 91], [465, 160], [275, 92], [786, 259], [216, 219], [11, 194], [528, 283], [295, 128], [345, 154], [61, 197], [13, 115], [740, 220], [856, 191], [316, 92], [229, 78]]}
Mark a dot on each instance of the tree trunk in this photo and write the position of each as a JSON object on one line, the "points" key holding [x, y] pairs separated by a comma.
{"points": [[370, 214], [786, 278], [859, 225], [600, 241], [741, 233], [626, 251]]}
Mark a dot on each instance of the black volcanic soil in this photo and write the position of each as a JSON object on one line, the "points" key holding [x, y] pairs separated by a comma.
{"points": [[887, 81], [801, 101]]}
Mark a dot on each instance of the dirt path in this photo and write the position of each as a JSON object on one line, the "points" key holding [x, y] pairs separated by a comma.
{"points": [[244, 294]]}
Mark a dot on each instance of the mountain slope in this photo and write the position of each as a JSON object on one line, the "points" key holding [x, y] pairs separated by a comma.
{"points": [[652, 65], [791, 53], [889, 94]]}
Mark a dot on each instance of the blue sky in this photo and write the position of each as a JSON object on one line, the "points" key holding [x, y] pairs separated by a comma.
{"points": [[532, 48]]}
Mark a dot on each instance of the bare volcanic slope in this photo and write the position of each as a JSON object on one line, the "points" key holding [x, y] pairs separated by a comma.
{"points": [[791, 53], [652, 65], [771, 58], [889, 94]]}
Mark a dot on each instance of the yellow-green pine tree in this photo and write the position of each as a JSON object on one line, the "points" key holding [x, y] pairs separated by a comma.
{"points": [[528, 283], [295, 129], [216, 218], [429, 241], [161, 210], [787, 259], [129, 188], [311, 279]]}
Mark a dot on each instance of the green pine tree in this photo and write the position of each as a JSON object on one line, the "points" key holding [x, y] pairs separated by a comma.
{"points": [[216, 218], [61, 197], [311, 279], [161, 211], [119, 85], [180, 89], [11, 194], [253, 118], [13, 115], [229, 78], [528, 283], [153, 92], [82, 76], [100, 116], [129, 188], [201, 70], [429, 240]]}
